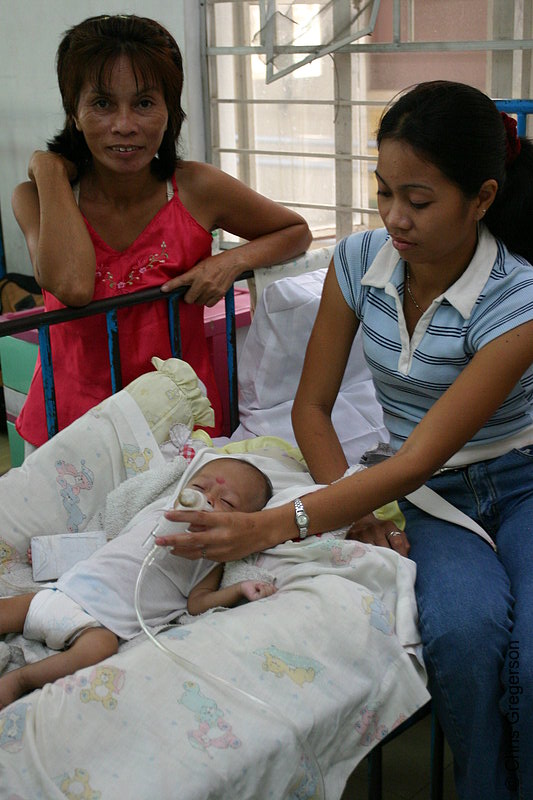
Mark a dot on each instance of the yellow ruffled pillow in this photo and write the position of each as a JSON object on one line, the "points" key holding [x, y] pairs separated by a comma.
{"points": [[267, 445], [170, 395]]}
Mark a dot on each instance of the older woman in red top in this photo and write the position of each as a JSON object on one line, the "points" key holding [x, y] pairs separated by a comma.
{"points": [[110, 208]]}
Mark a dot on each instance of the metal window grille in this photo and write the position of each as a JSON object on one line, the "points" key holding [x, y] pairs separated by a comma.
{"points": [[306, 138]]}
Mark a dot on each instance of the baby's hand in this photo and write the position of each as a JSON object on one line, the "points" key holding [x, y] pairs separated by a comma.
{"points": [[255, 590]]}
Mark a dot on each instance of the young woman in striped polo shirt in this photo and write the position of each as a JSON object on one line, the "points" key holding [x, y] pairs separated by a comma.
{"points": [[443, 295]]}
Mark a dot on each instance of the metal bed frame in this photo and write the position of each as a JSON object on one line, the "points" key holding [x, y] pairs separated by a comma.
{"points": [[42, 320]]}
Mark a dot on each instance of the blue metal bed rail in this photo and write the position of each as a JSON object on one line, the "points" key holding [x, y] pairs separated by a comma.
{"points": [[42, 320], [520, 108]]}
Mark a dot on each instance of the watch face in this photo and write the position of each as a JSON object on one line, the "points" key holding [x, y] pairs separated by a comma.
{"points": [[301, 518]]}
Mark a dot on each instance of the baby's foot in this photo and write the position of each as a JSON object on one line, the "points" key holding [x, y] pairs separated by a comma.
{"points": [[11, 688]]}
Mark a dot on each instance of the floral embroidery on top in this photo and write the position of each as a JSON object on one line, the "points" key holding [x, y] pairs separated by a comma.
{"points": [[135, 272]]}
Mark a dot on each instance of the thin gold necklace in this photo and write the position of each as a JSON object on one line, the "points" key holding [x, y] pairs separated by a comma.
{"points": [[409, 292]]}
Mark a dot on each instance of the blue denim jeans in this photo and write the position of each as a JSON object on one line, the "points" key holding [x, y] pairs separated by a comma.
{"points": [[476, 621]]}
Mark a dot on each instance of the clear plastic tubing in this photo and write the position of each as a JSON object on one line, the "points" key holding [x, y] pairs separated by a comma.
{"points": [[194, 500]]}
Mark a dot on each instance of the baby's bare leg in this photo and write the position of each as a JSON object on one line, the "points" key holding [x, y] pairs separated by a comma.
{"points": [[92, 646], [13, 612]]}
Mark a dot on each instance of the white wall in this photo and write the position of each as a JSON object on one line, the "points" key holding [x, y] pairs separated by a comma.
{"points": [[30, 104]]}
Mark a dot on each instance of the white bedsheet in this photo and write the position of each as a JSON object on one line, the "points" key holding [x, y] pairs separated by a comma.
{"points": [[329, 652], [334, 652]]}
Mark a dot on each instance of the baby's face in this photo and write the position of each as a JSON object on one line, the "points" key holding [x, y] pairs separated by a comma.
{"points": [[230, 485]]}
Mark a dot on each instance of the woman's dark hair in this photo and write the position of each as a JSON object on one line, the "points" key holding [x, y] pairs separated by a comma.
{"points": [[88, 52], [459, 130]]}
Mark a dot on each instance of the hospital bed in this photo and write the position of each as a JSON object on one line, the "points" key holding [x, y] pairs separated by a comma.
{"points": [[281, 698]]}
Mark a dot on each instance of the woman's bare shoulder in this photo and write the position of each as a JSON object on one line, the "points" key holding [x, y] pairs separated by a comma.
{"points": [[205, 191], [197, 175]]}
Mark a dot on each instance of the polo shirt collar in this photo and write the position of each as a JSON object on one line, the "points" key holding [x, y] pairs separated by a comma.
{"points": [[463, 294]]}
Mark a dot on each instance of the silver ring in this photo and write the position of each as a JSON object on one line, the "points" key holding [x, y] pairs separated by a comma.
{"points": [[393, 533], [203, 553]]}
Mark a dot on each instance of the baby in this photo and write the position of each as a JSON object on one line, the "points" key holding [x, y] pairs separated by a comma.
{"points": [[91, 607]]}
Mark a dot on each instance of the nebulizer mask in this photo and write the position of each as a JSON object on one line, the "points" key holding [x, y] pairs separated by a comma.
{"points": [[188, 500]]}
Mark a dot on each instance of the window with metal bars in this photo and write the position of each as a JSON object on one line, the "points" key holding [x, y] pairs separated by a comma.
{"points": [[294, 90]]}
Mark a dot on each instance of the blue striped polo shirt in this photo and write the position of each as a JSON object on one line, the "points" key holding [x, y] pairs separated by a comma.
{"points": [[492, 296]]}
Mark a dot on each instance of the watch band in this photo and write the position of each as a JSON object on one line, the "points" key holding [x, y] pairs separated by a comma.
{"points": [[301, 518]]}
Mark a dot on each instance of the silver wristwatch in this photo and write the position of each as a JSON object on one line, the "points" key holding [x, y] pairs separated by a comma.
{"points": [[301, 518]]}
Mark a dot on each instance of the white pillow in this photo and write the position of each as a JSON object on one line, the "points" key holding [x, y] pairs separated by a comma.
{"points": [[271, 362], [63, 484]]}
